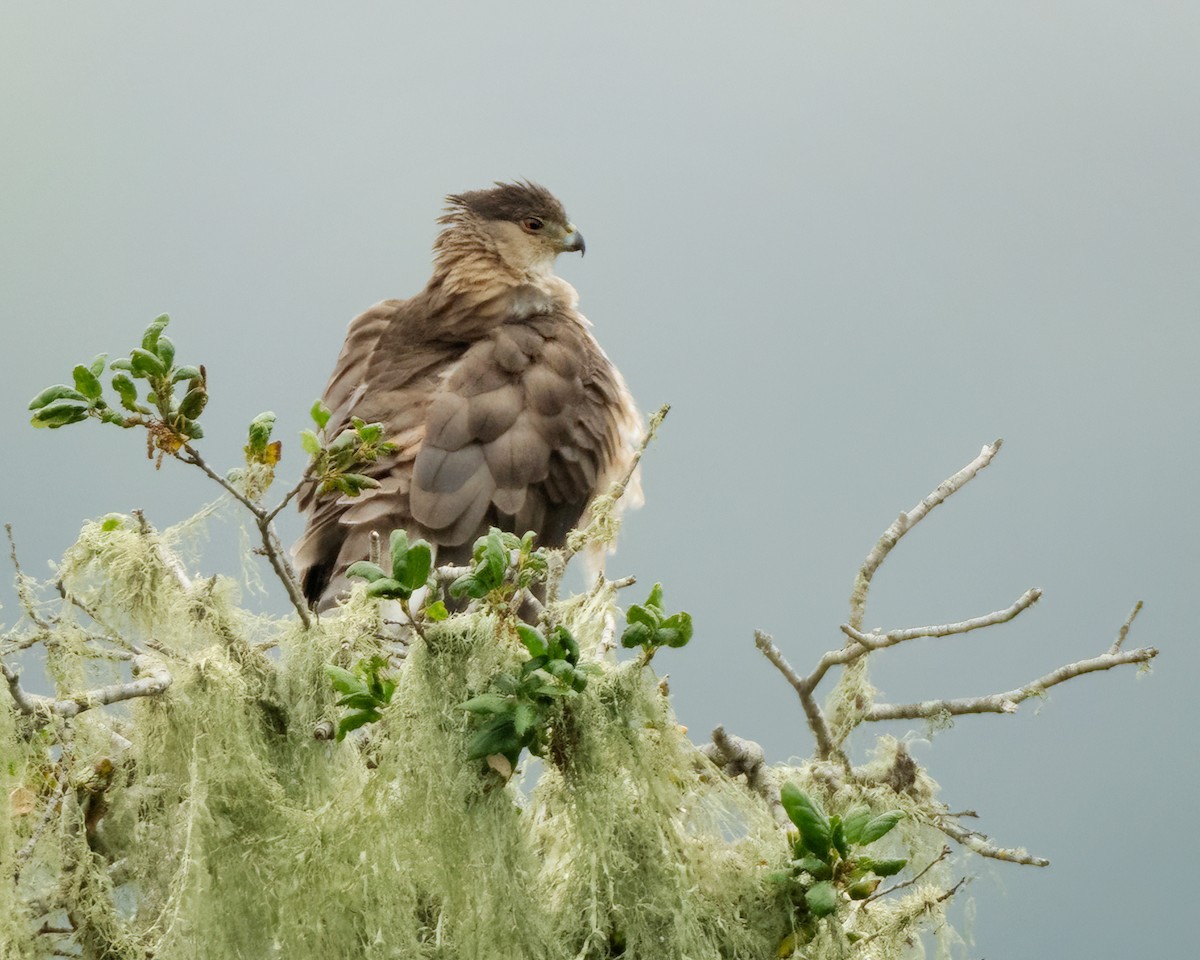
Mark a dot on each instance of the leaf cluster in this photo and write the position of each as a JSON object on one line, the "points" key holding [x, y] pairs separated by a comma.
{"points": [[408, 570], [650, 627], [518, 713], [502, 564], [827, 865], [365, 690], [150, 387], [335, 460]]}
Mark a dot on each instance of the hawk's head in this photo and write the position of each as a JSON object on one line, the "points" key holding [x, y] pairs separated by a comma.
{"points": [[525, 222]]}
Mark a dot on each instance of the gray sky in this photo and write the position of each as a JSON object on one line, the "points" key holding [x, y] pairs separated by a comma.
{"points": [[850, 243]]}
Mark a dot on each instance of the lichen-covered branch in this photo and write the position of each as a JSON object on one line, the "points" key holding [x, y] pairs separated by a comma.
{"points": [[981, 845], [151, 679], [738, 757], [1008, 701], [271, 548]]}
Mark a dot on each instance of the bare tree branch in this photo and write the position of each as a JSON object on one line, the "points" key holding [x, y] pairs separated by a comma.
{"points": [[1006, 702], [151, 676], [985, 848], [1124, 631], [905, 522], [804, 689], [877, 641], [908, 883], [272, 549]]}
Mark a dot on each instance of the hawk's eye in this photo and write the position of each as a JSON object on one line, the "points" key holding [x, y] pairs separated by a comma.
{"points": [[531, 223]]}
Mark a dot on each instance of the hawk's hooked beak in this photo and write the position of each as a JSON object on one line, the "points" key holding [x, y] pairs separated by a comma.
{"points": [[573, 241]]}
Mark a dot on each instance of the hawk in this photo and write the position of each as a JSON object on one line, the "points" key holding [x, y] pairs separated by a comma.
{"points": [[504, 409]]}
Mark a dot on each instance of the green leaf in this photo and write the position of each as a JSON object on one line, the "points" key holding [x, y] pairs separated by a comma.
{"points": [[365, 570], [680, 627], [837, 836], [344, 681], [819, 869], [153, 332], [127, 391], [467, 586], [560, 670], [534, 642], [856, 818], [496, 556], [260, 431], [360, 701], [59, 414], [861, 889], [561, 637], [488, 703], [822, 898], [637, 635], [166, 351], [884, 868], [655, 598], [355, 483], [437, 611], [320, 414], [354, 721], [808, 817], [370, 432], [194, 402], [186, 373], [146, 364], [111, 523], [496, 736], [639, 614], [121, 363], [310, 443], [190, 428], [97, 366], [60, 391], [881, 826], [397, 548], [524, 718], [418, 561], [87, 382], [553, 690], [534, 663], [389, 589]]}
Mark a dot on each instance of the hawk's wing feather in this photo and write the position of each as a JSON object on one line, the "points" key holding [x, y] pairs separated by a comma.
{"points": [[513, 423]]}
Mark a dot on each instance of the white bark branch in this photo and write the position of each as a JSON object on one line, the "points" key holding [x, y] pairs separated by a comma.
{"points": [[804, 690], [905, 522], [735, 757], [877, 641], [985, 848], [1124, 631], [152, 679], [1009, 701]]}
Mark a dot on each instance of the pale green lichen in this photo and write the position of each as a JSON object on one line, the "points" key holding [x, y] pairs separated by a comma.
{"points": [[208, 823]]}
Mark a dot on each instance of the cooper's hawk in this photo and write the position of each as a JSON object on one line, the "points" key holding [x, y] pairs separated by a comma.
{"points": [[504, 409]]}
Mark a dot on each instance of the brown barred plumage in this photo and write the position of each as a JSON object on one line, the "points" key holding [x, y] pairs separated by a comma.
{"points": [[504, 409]]}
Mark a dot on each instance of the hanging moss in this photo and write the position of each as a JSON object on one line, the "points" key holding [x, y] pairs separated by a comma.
{"points": [[209, 822]]}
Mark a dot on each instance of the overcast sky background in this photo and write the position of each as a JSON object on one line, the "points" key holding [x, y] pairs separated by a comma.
{"points": [[850, 243]]}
